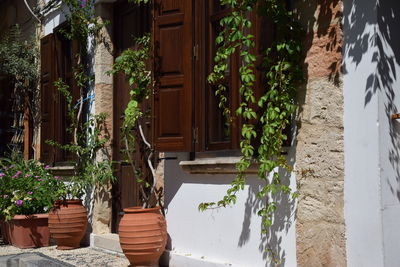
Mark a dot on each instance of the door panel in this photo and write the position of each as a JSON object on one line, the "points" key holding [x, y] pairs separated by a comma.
{"points": [[130, 21]]}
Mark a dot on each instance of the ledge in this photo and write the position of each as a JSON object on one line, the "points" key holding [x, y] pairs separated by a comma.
{"points": [[63, 171], [218, 165]]}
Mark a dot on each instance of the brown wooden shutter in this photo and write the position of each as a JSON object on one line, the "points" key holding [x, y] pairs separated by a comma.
{"points": [[47, 152], [172, 103]]}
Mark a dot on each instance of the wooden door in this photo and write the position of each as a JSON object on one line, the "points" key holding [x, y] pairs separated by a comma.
{"points": [[130, 21]]}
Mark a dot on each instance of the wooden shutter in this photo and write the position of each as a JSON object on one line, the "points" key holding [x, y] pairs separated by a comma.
{"points": [[47, 152], [172, 102]]}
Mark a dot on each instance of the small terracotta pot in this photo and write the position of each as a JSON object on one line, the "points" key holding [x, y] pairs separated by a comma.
{"points": [[27, 231], [67, 223], [143, 235]]}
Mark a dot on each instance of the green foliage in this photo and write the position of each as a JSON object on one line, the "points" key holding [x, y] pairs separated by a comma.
{"points": [[88, 140], [82, 22], [133, 63], [282, 62], [19, 59], [85, 132], [26, 187]]}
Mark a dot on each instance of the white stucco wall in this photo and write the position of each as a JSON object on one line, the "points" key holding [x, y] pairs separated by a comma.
{"points": [[229, 235], [372, 177]]}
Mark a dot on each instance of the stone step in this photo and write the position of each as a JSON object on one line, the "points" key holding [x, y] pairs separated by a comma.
{"points": [[107, 242], [30, 260]]}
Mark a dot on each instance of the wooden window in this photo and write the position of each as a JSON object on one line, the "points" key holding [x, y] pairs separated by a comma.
{"points": [[186, 112], [57, 61]]}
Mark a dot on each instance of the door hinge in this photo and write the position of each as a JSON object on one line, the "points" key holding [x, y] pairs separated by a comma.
{"points": [[196, 135], [196, 52]]}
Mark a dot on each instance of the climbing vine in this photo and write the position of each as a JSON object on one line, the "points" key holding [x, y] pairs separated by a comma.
{"points": [[85, 128], [263, 119], [134, 64], [283, 72]]}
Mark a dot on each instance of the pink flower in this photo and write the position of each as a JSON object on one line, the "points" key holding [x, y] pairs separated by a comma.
{"points": [[39, 180], [5, 196], [57, 177], [27, 175], [16, 174], [47, 167], [30, 193], [18, 202], [1, 174]]}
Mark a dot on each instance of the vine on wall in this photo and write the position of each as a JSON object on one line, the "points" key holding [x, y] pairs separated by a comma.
{"points": [[282, 61], [284, 74]]}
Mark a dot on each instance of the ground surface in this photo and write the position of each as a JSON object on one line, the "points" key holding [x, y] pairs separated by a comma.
{"points": [[78, 257]]}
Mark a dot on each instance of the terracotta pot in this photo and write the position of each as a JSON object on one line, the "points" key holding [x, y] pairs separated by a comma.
{"points": [[27, 231], [143, 235], [67, 223]]}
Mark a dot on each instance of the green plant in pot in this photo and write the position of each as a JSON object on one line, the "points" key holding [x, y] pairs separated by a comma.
{"points": [[27, 193], [68, 218], [143, 225]]}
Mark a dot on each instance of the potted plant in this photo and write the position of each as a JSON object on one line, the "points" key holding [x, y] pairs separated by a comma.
{"points": [[27, 192], [142, 230], [68, 217]]}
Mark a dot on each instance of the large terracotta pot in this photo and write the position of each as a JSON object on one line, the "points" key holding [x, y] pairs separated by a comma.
{"points": [[67, 223], [143, 235], [27, 231]]}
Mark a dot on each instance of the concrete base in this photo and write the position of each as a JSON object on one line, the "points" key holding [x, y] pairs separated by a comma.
{"points": [[30, 260], [106, 242], [174, 259]]}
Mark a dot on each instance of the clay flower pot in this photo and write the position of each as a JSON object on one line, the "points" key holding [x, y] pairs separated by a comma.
{"points": [[143, 235], [27, 231], [67, 223]]}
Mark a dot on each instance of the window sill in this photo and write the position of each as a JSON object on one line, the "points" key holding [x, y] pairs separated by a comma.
{"points": [[218, 165], [63, 171]]}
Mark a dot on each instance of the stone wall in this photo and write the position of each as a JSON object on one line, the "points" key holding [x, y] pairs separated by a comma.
{"points": [[320, 228], [104, 104]]}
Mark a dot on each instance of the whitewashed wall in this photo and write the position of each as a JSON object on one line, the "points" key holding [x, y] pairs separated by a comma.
{"points": [[372, 138], [222, 236]]}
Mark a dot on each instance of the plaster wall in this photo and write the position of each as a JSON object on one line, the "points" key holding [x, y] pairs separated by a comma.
{"points": [[388, 69], [228, 235], [372, 148]]}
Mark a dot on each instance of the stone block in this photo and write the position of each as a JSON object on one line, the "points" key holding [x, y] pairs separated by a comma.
{"points": [[319, 151], [320, 200], [108, 242], [323, 53], [321, 102], [321, 245], [101, 76]]}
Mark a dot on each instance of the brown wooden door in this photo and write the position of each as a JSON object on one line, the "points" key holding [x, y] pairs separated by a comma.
{"points": [[130, 21]]}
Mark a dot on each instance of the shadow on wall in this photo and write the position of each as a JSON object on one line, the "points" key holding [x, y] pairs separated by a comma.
{"points": [[271, 243], [270, 246], [383, 16], [320, 20]]}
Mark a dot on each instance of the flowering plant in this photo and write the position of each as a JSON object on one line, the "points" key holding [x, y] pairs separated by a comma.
{"points": [[26, 187]]}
